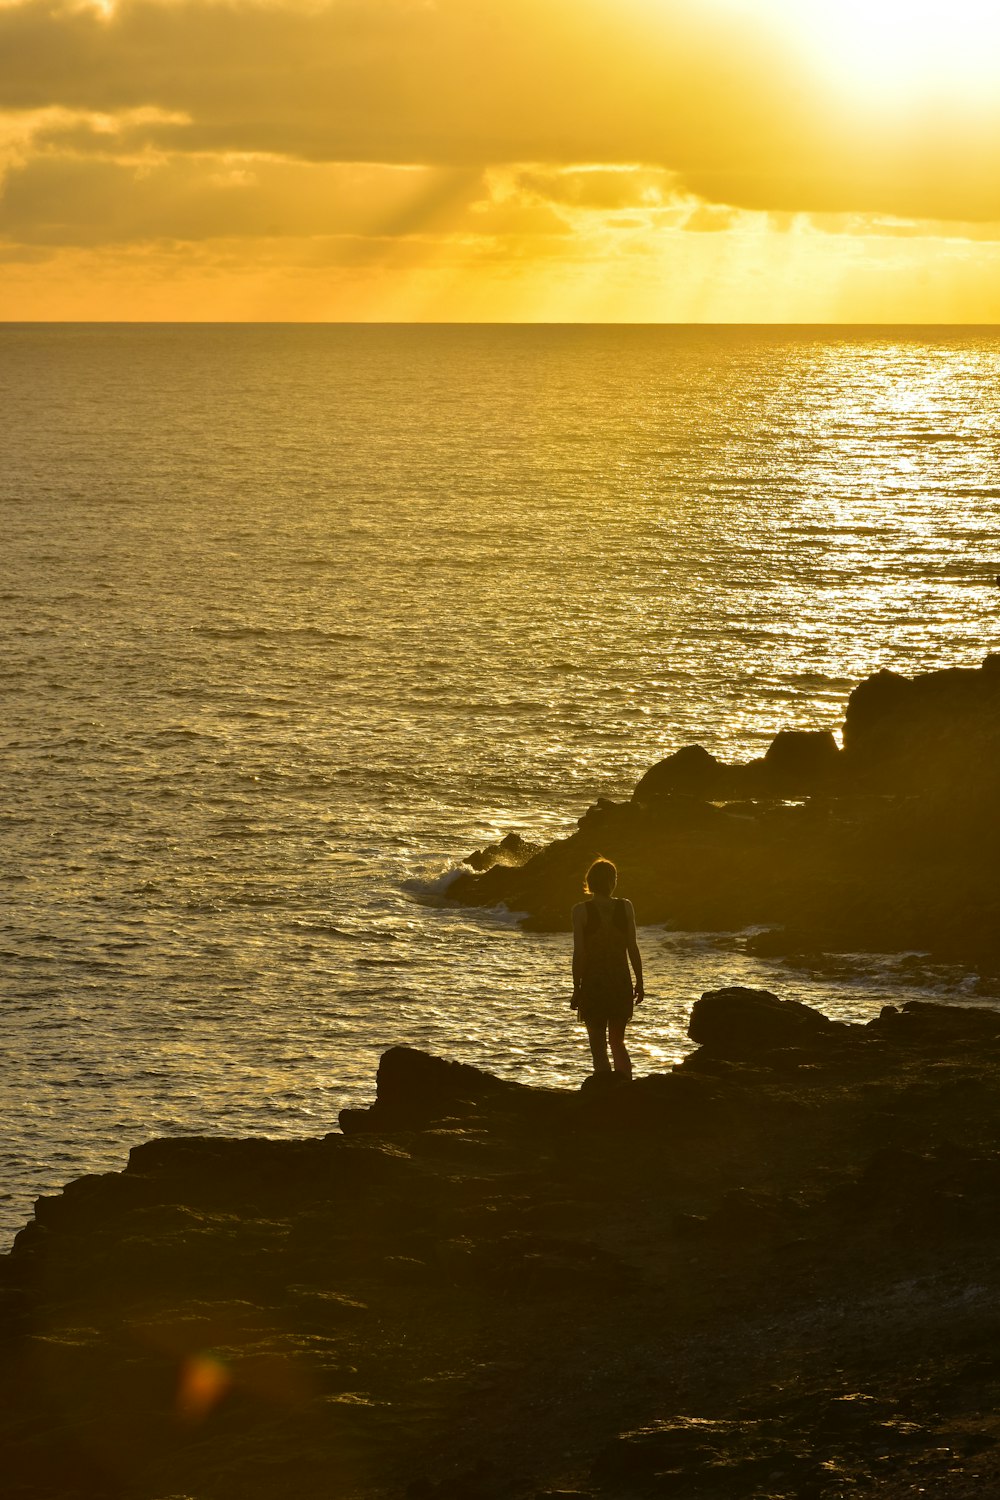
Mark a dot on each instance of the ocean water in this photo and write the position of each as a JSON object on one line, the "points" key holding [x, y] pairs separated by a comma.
{"points": [[294, 617]]}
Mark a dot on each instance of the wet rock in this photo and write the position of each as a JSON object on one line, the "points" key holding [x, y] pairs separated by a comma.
{"points": [[783, 942], [511, 851], [926, 1023]]}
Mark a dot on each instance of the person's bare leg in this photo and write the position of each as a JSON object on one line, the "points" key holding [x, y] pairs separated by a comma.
{"points": [[616, 1035], [598, 1034]]}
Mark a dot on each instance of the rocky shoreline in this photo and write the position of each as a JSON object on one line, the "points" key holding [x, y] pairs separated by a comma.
{"points": [[770, 1272], [888, 842]]}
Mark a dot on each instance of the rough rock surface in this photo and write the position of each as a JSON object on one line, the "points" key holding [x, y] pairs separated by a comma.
{"points": [[511, 850], [890, 843], [771, 1272]]}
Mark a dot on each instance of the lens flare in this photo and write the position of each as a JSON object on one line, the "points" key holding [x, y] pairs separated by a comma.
{"points": [[204, 1381]]}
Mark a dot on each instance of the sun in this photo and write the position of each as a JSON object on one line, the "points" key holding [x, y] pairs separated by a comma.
{"points": [[895, 47]]}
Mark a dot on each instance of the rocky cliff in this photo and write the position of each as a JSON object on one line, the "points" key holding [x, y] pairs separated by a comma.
{"points": [[769, 1272], [892, 842]]}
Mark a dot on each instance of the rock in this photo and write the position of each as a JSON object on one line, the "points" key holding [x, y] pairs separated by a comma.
{"points": [[736, 1021], [731, 1279], [691, 1457], [596, 1084], [512, 851], [939, 731], [802, 761], [946, 1192], [894, 848], [779, 942], [415, 1090], [693, 771], [798, 762], [928, 1024]]}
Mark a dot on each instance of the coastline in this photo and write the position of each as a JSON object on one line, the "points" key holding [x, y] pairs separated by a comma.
{"points": [[771, 1271], [886, 842]]}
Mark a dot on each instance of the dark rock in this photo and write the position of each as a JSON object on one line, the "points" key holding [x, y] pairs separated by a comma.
{"points": [[692, 771], [735, 1021], [683, 1104], [782, 942], [939, 731], [691, 1457], [928, 1024], [894, 847], [602, 1083], [801, 761], [415, 1090], [798, 762], [945, 1192], [511, 851], [477, 1483], [602, 813], [514, 1292]]}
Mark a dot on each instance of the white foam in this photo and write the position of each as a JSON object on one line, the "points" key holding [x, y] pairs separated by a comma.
{"points": [[436, 885]]}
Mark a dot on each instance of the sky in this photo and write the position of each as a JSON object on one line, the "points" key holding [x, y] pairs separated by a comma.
{"points": [[501, 160]]}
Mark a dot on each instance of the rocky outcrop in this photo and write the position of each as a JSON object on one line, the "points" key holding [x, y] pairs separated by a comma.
{"points": [[797, 763], [735, 1022], [938, 733], [770, 1271], [511, 850], [889, 843]]}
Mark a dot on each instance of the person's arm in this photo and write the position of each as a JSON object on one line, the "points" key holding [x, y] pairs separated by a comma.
{"points": [[579, 917], [634, 954]]}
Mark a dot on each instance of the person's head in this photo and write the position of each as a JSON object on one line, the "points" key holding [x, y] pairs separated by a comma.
{"points": [[602, 877]]}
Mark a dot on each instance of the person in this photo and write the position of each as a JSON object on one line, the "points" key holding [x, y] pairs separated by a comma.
{"points": [[604, 941]]}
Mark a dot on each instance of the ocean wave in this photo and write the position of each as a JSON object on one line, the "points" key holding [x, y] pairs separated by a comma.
{"points": [[276, 632], [173, 732], [430, 886], [347, 934], [821, 679]]}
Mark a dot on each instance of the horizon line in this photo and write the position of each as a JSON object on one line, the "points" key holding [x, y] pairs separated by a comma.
{"points": [[461, 323]]}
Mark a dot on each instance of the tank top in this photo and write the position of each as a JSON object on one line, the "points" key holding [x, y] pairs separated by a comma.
{"points": [[605, 949]]}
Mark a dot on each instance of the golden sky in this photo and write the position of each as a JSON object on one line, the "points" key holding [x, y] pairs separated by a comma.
{"points": [[481, 160]]}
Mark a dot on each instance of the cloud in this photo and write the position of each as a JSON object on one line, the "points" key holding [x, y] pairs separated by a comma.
{"points": [[598, 187], [727, 103], [477, 159], [105, 191]]}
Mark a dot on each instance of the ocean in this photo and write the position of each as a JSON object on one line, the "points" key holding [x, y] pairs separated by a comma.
{"points": [[295, 617]]}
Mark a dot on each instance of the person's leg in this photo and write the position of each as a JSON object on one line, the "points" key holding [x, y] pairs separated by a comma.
{"points": [[616, 1035], [597, 1031]]}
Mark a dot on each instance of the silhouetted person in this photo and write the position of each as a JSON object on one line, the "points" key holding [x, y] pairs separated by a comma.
{"points": [[603, 992]]}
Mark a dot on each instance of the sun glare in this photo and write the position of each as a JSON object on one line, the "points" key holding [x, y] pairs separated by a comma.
{"points": [[896, 46]]}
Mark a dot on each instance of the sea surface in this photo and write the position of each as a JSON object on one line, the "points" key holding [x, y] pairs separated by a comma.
{"points": [[292, 618]]}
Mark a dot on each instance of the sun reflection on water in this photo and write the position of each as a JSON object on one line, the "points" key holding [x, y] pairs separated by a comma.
{"points": [[269, 683]]}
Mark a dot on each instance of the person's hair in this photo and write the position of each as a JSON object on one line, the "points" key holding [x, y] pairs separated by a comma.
{"points": [[602, 877]]}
